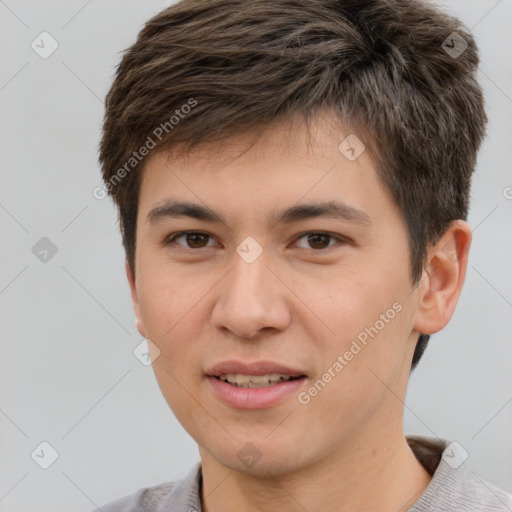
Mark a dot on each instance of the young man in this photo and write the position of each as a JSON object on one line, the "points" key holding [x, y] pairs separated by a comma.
{"points": [[292, 179]]}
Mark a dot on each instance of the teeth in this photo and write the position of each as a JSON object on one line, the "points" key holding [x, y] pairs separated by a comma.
{"points": [[254, 381]]}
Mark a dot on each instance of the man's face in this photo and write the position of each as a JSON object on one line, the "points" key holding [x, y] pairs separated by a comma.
{"points": [[325, 297]]}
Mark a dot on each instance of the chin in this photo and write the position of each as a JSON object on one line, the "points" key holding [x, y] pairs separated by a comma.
{"points": [[269, 467], [259, 456]]}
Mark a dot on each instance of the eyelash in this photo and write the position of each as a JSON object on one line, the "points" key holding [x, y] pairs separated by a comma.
{"points": [[170, 239]]}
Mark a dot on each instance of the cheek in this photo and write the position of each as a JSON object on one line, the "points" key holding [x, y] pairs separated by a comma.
{"points": [[370, 321], [166, 291], [173, 318], [345, 304], [356, 377], [171, 309]]}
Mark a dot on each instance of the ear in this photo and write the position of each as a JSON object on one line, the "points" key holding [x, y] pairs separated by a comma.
{"points": [[135, 300], [443, 278]]}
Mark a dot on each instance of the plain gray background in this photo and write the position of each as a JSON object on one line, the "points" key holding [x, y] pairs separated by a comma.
{"points": [[68, 373]]}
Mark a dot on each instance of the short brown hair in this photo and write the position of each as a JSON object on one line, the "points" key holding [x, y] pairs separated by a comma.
{"points": [[386, 68]]}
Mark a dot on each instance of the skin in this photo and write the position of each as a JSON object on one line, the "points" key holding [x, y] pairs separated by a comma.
{"points": [[299, 303]]}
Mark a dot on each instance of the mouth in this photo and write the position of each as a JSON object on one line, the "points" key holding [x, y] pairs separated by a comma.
{"points": [[241, 380], [254, 384]]}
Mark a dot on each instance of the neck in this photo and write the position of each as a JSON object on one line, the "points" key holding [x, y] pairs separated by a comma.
{"points": [[369, 476]]}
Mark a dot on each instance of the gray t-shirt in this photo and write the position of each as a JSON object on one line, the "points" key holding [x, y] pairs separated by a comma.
{"points": [[453, 488]]}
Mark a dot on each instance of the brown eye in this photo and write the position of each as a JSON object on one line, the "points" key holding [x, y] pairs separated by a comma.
{"points": [[193, 239], [319, 241], [196, 240]]}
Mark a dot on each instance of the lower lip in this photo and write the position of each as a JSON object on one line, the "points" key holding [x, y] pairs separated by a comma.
{"points": [[254, 398]]}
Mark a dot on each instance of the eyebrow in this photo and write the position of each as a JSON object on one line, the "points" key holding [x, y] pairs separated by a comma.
{"points": [[328, 209]]}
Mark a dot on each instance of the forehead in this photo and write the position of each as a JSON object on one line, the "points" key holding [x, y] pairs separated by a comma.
{"points": [[257, 172]]}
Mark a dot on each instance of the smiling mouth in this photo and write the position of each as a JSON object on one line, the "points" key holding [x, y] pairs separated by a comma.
{"points": [[256, 381]]}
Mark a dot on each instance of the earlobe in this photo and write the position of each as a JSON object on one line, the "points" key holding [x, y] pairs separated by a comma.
{"points": [[443, 278], [135, 300]]}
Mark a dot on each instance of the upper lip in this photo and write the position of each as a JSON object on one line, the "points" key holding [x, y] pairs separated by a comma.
{"points": [[251, 368]]}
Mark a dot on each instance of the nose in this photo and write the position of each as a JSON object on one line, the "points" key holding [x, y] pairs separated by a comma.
{"points": [[251, 298]]}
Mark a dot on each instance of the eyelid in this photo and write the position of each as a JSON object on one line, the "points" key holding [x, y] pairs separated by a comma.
{"points": [[339, 238], [170, 239]]}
